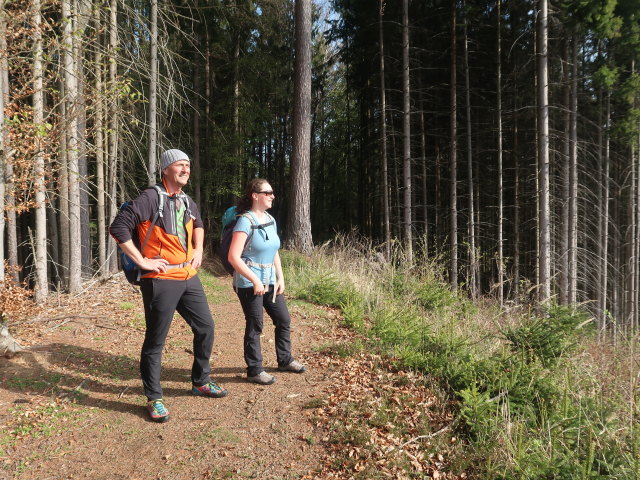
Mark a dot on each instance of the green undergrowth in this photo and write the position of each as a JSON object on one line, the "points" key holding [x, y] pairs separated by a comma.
{"points": [[537, 396]]}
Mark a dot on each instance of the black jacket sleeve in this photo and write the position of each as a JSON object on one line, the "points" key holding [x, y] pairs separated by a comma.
{"points": [[142, 209]]}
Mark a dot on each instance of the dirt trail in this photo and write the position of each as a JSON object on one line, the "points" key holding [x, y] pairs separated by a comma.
{"points": [[72, 406]]}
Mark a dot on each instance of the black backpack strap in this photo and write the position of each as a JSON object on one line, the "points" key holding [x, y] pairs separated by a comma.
{"points": [[158, 214]]}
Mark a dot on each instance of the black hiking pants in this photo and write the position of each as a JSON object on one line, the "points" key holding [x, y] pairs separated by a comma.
{"points": [[162, 298], [252, 306]]}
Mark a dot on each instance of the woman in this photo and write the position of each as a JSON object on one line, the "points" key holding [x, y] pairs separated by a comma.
{"points": [[259, 281]]}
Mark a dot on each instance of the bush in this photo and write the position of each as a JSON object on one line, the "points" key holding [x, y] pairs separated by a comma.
{"points": [[548, 337]]}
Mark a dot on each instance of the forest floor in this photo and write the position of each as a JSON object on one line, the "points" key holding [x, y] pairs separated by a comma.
{"points": [[71, 405]]}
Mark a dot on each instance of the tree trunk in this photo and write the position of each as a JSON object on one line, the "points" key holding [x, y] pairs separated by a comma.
{"points": [[563, 290], [71, 132], [82, 16], [236, 109], [4, 85], [99, 129], [544, 247], [453, 199], [63, 199], [501, 261], [573, 179], [299, 222], [629, 250], [10, 201], [40, 246], [423, 162], [383, 136], [153, 93], [195, 155], [604, 230], [113, 128], [473, 267], [636, 240], [516, 204], [406, 136]]}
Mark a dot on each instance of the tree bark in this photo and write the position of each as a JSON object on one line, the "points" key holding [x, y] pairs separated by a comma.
{"points": [[299, 224], [406, 137], [604, 230], [153, 93], [563, 287], [4, 79], [99, 128], [40, 244], [383, 135], [453, 165], [113, 128], [71, 132], [423, 161], [544, 247], [63, 199], [501, 261], [573, 179], [195, 155], [81, 20], [473, 266], [10, 202]]}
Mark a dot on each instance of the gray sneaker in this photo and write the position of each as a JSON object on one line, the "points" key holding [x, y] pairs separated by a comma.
{"points": [[263, 378], [295, 367]]}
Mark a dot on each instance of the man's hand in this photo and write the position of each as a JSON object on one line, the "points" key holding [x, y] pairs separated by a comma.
{"points": [[280, 289], [196, 261], [157, 265]]}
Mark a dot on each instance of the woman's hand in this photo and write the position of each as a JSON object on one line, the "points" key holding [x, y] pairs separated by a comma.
{"points": [[258, 289], [279, 274]]}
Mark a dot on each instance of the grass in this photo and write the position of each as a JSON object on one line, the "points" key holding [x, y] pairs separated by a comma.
{"points": [[537, 396], [218, 435], [216, 292], [127, 306], [136, 320], [40, 384]]}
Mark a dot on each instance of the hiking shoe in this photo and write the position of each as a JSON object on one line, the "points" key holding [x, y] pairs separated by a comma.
{"points": [[210, 389], [295, 367], [263, 378], [157, 411]]}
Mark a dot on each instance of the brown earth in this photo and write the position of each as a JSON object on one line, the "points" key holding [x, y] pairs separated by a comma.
{"points": [[71, 406]]}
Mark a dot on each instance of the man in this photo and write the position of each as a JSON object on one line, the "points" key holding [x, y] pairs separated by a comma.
{"points": [[169, 281]]}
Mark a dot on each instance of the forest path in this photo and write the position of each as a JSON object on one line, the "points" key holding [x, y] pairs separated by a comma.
{"points": [[72, 406]]}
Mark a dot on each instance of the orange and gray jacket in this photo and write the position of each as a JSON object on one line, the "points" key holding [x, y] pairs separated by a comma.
{"points": [[163, 241]]}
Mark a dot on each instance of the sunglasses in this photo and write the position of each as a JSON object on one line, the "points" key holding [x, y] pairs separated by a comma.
{"points": [[266, 192]]}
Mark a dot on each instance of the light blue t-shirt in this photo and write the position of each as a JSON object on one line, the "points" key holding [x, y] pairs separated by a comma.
{"points": [[260, 251]]}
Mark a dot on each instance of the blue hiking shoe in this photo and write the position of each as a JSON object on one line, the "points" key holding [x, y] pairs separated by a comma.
{"points": [[157, 411], [210, 389]]}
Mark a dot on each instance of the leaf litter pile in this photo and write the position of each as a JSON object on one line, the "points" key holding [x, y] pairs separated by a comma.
{"points": [[382, 422]]}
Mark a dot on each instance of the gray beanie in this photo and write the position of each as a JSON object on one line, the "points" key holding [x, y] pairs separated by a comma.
{"points": [[172, 156]]}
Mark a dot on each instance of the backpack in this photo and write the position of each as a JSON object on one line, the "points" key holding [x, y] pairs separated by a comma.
{"points": [[131, 270], [229, 220]]}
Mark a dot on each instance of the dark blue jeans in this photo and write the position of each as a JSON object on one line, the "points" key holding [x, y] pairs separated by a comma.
{"points": [[252, 306], [162, 298]]}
